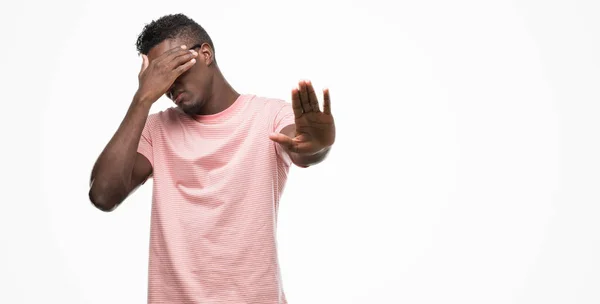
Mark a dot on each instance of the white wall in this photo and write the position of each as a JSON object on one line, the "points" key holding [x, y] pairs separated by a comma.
{"points": [[466, 170]]}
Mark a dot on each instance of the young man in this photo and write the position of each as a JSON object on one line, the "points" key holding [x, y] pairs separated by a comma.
{"points": [[219, 161]]}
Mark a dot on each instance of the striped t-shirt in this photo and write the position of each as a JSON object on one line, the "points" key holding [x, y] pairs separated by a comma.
{"points": [[217, 181]]}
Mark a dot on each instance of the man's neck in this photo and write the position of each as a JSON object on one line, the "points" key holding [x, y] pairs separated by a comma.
{"points": [[222, 97]]}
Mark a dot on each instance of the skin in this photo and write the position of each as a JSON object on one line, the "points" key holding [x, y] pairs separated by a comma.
{"points": [[309, 139], [193, 80], [205, 90]]}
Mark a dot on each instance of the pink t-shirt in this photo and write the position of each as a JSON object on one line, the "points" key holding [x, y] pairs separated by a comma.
{"points": [[217, 184]]}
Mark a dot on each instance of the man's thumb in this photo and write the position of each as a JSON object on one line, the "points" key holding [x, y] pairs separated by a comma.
{"points": [[144, 63]]}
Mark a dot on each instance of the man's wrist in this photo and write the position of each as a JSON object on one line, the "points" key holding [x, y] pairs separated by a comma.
{"points": [[143, 100], [305, 160]]}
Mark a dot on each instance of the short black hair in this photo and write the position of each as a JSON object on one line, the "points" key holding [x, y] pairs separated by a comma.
{"points": [[169, 27]]}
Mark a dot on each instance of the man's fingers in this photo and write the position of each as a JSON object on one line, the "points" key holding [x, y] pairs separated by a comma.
{"points": [[296, 103], [284, 140], [296, 145], [168, 55], [326, 102], [180, 58], [144, 63], [304, 97], [184, 67], [312, 97]]}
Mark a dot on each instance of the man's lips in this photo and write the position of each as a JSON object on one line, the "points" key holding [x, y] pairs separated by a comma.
{"points": [[178, 97]]}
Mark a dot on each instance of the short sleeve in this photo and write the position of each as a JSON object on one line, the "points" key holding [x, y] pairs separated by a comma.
{"points": [[145, 144], [283, 118]]}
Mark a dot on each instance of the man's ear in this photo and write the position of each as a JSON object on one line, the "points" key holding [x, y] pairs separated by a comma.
{"points": [[207, 53]]}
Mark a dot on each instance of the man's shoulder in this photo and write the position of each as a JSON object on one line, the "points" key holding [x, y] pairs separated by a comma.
{"points": [[162, 118], [166, 114], [268, 101], [270, 105]]}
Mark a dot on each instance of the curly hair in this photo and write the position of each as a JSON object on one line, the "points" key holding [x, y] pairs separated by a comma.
{"points": [[169, 27]]}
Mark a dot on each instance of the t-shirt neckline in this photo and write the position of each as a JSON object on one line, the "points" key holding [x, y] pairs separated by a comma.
{"points": [[225, 114]]}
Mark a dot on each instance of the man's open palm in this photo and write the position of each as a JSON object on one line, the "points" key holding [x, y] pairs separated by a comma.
{"points": [[315, 129]]}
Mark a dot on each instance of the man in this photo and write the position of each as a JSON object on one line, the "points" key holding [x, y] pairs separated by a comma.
{"points": [[219, 161]]}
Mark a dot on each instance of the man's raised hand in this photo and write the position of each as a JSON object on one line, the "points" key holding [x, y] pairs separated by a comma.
{"points": [[156, 77], [315, 129]]}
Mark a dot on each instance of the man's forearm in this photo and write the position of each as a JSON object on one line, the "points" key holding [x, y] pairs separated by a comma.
{"points": [[111, 175]]}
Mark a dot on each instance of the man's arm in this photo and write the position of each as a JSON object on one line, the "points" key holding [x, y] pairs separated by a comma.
{"points": [[120, 169], [309, 140]]}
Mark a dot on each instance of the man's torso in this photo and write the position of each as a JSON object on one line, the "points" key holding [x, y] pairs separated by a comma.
{"points": [[217, 184]]}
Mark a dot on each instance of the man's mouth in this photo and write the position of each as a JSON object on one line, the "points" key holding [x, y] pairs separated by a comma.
{"points": [[178, 97]]}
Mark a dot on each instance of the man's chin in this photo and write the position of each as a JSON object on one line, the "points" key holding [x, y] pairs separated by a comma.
{"points": [[189, 108]]}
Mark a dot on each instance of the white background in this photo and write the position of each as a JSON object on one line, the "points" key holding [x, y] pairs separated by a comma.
{"points": [[466, 170]]}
